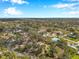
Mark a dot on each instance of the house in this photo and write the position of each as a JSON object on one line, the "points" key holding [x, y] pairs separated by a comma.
{"points": [[78, 52], [47, 34], [55, 39], [56, 33], [72, 45], [72, 35]]}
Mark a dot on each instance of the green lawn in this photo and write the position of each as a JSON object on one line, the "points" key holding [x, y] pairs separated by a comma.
{"points": [[75, 57]]}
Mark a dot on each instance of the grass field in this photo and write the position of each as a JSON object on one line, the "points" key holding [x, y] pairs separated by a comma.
{"points": [[75, 57]]}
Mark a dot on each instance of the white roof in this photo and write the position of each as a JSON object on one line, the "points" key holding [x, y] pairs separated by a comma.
{"points": [[55, 39], [78, 52]]}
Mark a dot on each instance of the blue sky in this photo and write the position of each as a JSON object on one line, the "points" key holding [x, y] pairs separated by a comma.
{"points": [[39, 8]]}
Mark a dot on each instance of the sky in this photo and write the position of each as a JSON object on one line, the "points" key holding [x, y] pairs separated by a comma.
{"points": [[39, 8]]}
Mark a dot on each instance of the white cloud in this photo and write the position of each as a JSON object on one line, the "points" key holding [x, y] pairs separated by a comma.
{"points": [[12, 11], [61, 5], [72, 13], [17, 1]]}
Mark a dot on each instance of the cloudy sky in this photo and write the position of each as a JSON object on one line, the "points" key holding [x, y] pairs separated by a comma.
{"points": [[39, 8]]}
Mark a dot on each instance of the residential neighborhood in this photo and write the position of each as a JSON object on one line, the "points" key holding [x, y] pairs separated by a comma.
{"points": [[39, 39]]}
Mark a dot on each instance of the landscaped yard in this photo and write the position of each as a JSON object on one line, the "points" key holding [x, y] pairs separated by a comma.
{"points": [[75, 57]]}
